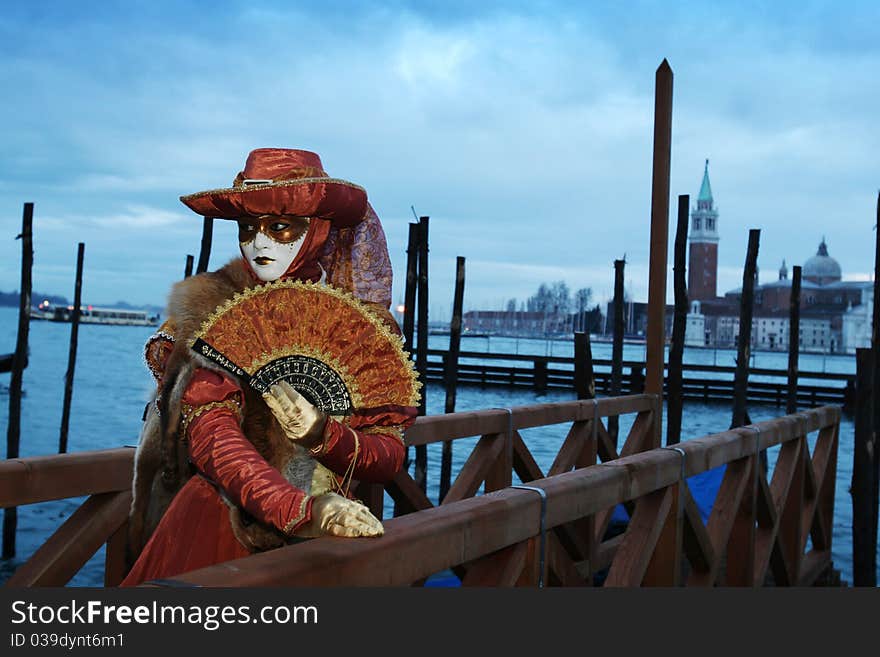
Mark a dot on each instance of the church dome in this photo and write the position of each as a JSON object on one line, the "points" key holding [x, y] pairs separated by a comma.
{"points": [[822, 268]]}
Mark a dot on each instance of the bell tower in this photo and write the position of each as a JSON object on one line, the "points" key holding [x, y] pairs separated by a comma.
{"points": [[703, 258]]}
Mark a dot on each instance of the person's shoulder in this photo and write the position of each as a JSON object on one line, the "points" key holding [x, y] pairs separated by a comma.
{"points": [[193, 299]]}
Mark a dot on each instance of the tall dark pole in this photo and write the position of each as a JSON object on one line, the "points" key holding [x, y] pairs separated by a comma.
{"points": [[205, 252], [421, 470], [679, 324], [875, 380], [794, 339], [13, 431], [584, 377], [744, 346], [452, 371], [188, 269], [617, 342], [71, 356], [412, 280], [864, 517], [656, 333], [409, 311]]}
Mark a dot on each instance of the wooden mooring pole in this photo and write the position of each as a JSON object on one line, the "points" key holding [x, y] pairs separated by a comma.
{"points": [[584, 379], [875, 379], [866, 455], [744, 346], [617, 343], [421, 470], [794, 339], [412, 279], [674, 394], [188, 269], [13, 430], [656, 332], [205, 251], [409, 310], [864, 522], [71, 354], [451, 371]]}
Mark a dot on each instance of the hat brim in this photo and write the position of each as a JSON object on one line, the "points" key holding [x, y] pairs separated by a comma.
{"points": [[341, 202]]}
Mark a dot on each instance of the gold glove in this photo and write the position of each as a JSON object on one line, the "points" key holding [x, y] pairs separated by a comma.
{"points": [[339, 516], [301, 421]]}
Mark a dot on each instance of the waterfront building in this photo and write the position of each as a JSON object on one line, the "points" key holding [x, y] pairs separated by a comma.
{"points": [[835, 315], [703, 243]]}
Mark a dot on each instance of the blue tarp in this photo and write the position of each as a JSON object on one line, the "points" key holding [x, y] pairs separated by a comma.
{"points": [[703, 487]]}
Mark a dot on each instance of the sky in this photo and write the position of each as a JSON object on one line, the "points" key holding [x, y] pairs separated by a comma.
{"points": [[524, 130]]}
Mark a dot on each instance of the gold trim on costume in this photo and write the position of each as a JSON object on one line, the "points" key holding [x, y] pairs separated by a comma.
{"points": [[189, 413], [397, 432], [288, 528], [280, 183], [161, 334]]}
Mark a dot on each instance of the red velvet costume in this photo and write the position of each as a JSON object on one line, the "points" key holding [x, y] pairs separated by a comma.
{"points": [[195, 530], [231, 440]]}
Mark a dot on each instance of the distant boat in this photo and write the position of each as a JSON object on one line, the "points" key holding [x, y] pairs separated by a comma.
{"points": [[464, 334], [93, 315]]}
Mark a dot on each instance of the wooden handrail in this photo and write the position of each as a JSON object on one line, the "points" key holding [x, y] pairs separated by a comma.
{"points": [[496, 532], [59, 476], [423, 543], [439, 428]]}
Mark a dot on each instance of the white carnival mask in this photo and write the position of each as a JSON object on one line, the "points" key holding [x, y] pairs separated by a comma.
{"points": [[270, 244]]}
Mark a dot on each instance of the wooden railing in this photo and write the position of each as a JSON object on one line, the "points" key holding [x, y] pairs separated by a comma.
{"points": [[103, 475], [757, 530]]}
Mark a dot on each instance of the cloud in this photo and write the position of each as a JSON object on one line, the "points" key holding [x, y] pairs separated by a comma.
{"points": [[524, 133]]}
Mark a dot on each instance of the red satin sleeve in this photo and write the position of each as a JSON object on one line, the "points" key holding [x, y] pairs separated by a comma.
{"points": [[222, 453], [373, 440]]}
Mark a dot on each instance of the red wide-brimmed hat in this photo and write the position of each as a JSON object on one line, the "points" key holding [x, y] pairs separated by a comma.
{"points": [[283, 181]]}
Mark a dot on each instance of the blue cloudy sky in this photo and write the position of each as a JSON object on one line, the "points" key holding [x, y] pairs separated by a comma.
{"points": [[523, 129]]}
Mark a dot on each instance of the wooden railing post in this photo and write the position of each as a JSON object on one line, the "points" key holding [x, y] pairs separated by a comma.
{"points": [[740, 567], [500, 475], [116, 564], [791, 518], [664, 569]]}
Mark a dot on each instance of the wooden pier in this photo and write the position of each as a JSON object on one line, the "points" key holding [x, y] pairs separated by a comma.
{"points": [[490, 532], [709, 383]]}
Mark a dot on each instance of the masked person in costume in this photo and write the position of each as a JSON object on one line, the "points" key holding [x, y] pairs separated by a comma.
{"points": [[222, 471]]}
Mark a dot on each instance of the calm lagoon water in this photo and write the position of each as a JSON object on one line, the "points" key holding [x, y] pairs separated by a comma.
{"points": [[112, 384]]}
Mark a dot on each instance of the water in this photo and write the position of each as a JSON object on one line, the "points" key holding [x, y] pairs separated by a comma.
{"points": [[112, 385]]}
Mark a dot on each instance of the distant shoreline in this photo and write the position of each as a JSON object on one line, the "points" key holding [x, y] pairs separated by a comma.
{"points": [[12, 300]]}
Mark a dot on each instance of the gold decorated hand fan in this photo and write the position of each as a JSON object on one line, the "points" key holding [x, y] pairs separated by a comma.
{"points": [[324, 342]]}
